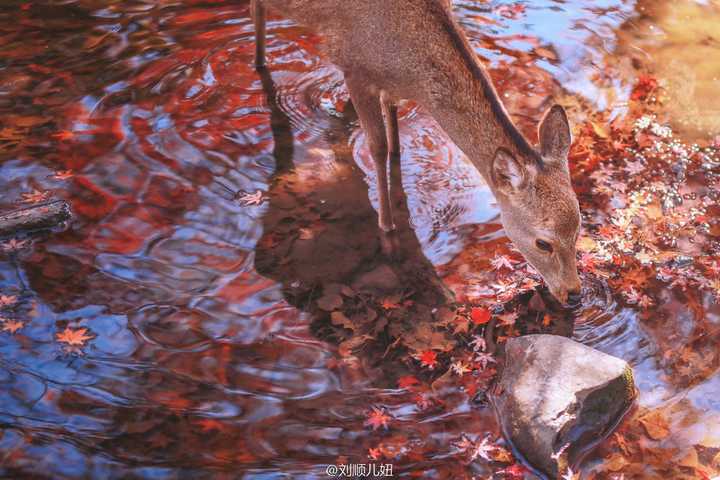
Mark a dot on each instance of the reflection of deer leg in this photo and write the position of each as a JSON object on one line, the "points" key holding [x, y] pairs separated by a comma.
{"points": [[283, 142], [258, 14], [369, 110]]}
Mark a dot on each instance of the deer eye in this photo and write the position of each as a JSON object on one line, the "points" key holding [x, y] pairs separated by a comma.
{"points": [[544, 246]]}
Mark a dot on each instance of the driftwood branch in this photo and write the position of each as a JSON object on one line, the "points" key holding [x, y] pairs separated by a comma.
{"points": [[38, 217]]}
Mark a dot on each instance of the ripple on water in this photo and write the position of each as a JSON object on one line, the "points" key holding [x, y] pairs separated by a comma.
{"points": [[603, 323]]}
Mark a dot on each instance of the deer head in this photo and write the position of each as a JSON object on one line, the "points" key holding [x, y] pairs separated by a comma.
{"points": [[538, 206]]}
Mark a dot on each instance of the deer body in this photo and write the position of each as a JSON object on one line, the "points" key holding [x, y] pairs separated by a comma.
{"points": [[413, 49]]}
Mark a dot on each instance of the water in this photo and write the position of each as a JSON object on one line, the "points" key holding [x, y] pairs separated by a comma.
{"points": [[210, 356]]}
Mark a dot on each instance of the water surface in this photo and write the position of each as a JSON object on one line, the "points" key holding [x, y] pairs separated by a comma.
{"points": [[206, 359]]}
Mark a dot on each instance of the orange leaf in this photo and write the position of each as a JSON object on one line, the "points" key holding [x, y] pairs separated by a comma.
{"points": [[11, 326], [656, 426], [377, 418], [74, 337]]}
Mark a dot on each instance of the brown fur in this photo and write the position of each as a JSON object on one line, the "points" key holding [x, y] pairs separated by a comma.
{"points": [[413, 49]]}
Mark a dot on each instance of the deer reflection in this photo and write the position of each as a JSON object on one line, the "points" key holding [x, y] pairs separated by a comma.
{"points": [[320, 230]]}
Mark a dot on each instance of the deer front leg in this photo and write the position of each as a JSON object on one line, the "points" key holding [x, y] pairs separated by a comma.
{"points": [[370, 112], [389, 110], [257, 10]]}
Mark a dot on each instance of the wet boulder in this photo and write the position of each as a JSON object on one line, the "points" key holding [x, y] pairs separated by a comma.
{"points": [[557, 398]]}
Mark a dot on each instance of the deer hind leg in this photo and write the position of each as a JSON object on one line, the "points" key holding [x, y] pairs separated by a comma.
{"points": [[258, 14], [370, 112]]}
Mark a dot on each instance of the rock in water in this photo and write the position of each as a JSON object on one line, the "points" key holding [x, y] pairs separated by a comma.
{"points": [[557, 398]]}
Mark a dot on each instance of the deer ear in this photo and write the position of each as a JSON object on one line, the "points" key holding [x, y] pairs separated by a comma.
{"points": [[554, 134], [509, 175]]}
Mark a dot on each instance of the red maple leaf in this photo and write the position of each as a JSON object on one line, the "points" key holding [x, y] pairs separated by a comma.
{"points": [[644, 87], [210, 424], [408, 381], [514, 471], [480, 315], [428, 359], [377, 418], [374, 453]]}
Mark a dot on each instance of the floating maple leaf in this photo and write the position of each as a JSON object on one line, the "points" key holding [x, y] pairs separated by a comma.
{"points": [[464, 444], [7, 300], [13, 245], [377, 418], [374, 453], [644, 87], [460, 324], [423, 401], [478, 343], [11, 326], [210, 424], [480, 315], [75, 337], [63, 174], [645, 301], [408, 381], [634, 168], [483, 359], [588, 262], [508, 319], [250, 199], [389, 304], [483, 450], [514, 471], [502, 261], [529, 284], [64, 135], [428, 359], [36, 196], [512, 12], [460, 368], [635, 297], [505, 289]]}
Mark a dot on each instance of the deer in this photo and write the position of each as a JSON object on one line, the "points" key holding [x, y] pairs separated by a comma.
{"points": [[393, 50]]}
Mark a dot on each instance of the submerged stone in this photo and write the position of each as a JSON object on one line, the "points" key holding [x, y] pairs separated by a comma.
{"points": [[558, 398]]}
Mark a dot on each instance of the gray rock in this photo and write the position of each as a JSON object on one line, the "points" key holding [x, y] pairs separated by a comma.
{"points": [[557, 398]]}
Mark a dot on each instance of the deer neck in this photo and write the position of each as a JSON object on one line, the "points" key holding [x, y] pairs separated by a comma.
{"points": [[465, 104]]}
